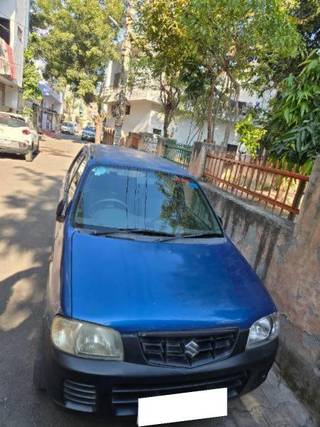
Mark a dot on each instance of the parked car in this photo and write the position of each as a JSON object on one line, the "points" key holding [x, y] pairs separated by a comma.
{"points": [[18, 136], [88, 133], [146, 294], [69, 128]]}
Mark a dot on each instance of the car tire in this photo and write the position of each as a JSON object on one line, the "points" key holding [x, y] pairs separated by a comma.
{"points": [[29, 156], [39, 382]]}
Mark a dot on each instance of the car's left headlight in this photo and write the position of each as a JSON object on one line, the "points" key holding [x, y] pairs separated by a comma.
{"points": [[264, 330], [86, 339]]}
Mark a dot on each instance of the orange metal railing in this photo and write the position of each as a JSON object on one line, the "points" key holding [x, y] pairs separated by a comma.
{"points": [[257, 180]]}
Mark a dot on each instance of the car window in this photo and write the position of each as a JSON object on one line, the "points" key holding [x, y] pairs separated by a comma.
{"points": [[128, 198], [75, 177], [12, 121]]}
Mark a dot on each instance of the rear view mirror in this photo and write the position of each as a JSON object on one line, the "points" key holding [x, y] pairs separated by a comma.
{"points": [[60, 214]]}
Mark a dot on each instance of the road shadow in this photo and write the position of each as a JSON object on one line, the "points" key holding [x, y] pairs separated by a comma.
{"points": [[62, 137], [26, 233], [17, 156]]}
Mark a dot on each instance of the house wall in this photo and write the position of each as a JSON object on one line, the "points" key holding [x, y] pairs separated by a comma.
{"points": [[51, 107], [185, 132], [49, 116], [11, 97], [18, 13], [139, 118], [143, 117], [112, 69], [286, 256]]}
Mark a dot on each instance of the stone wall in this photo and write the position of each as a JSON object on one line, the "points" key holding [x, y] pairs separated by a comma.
{"points": [[286, 256], [254, 231]]}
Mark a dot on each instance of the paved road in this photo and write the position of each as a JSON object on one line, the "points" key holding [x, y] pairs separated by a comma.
{"points": [[28, 198]]}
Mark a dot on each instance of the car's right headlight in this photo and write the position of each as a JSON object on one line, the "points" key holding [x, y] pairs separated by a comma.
{"points": [[264, 330], [86, 339]]}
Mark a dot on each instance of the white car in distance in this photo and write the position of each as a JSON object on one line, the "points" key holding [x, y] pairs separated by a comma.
{"points": [[18, 136], [69, 127]]}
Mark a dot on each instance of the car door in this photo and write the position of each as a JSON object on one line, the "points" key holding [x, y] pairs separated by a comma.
{"points": [[71, 182]]}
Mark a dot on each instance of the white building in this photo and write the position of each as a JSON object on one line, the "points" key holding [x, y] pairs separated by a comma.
{"points": [[14, 29], [51, 108], [143, 113]]}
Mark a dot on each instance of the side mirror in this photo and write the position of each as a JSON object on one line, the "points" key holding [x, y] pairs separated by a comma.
{"points": [[60, 211]]}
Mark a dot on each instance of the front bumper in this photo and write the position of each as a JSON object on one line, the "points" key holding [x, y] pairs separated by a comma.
{"points": [[95, 385], [88, 137]]}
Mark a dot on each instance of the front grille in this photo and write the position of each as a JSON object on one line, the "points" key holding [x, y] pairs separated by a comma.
{"points": [[78, 396], [125, 398], [188, 350]]}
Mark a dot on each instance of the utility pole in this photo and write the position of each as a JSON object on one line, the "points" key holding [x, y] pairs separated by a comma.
{"points": [[121, 99]]}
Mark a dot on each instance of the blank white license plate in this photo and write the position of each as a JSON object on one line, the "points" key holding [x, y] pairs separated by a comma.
{"points": [[183, 407]]}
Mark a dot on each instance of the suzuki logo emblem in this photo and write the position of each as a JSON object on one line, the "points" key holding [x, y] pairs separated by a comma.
{"points": [[191, 349]]}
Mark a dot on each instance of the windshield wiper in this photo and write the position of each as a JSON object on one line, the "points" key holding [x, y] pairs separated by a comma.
{"points": [[141, 231], [204, 234], [164, 237]]}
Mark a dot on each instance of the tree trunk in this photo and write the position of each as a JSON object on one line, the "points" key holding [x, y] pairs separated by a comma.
{"points": [[170, 99], [166, 123], [227, 133], [210, 111], [233, 116], [98, 123], [214, 120]]}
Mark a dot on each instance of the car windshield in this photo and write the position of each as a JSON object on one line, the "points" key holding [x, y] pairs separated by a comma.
{"points": [[89, 129], [13, 121], [67, 124], [130, 199]]}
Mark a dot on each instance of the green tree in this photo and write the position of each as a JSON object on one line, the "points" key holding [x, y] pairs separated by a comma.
{"points": [[31, 78], [250, 134], [76, 41], [306, 15], [294, 123], [230, 41], [162, 48]]}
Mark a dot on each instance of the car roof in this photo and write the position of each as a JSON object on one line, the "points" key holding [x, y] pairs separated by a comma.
{"points": [[111, 155]]}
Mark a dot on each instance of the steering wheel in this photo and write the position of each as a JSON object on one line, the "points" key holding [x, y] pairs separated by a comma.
{"points": [[98, 205]]}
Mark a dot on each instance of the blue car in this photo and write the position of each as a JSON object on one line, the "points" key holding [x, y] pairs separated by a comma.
{"points": [[88, 133], [146, 294]]}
